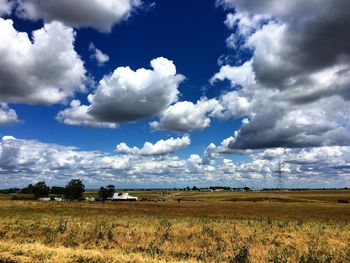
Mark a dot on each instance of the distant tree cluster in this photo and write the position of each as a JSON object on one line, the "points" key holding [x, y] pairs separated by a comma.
{"points": [[10, 191], [40, 189], [28, 189], [57, 190], [72, 191]]}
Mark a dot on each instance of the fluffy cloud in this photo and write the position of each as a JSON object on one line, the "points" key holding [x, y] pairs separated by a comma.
{"points": [[296, 85], [246, 24], [7, 116], [45, 70], [78, 114], [128, 95], [239, 76], [6, 7], [292, 39], [28, 161], [161, 147], [98, 55], [187, 116], [79, 13]]}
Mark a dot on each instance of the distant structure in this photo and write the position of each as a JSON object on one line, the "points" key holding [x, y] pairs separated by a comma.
{"points": [[123, 197], [280, 183]]}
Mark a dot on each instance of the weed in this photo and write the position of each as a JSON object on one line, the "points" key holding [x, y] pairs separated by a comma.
{"points": [[242, 256]]}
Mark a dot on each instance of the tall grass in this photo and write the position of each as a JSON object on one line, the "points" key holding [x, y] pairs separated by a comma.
{"points": [[58, 234]]}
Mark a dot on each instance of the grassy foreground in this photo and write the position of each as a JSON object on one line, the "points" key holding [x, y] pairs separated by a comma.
{"points": [[214, 230]]}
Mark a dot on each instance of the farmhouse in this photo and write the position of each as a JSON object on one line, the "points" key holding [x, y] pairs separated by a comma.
{"points": [[123, 197]]}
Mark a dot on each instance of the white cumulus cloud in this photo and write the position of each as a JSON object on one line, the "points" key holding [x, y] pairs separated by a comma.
{"points": [[45, 70], [7, 116], [98, 55], [78, 114], [98, 14], [161, 147], [128, 95], [294, 91], [187, 116]]}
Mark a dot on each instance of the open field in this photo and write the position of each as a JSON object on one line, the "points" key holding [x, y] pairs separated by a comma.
{"points": [[306, 226]]}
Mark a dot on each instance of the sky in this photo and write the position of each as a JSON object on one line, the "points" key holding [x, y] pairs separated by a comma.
{"points": [[164, 93]]}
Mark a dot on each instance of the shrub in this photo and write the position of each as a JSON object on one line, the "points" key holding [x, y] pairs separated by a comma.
{"points": [[242, 256], [311, 257], [343, 201]]}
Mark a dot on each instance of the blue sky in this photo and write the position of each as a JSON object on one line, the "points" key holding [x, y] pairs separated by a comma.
{"points": [[194, 43], [222, 91]]}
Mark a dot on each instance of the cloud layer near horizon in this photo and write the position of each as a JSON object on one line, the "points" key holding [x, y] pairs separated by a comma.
{"points": [[28, 161]]}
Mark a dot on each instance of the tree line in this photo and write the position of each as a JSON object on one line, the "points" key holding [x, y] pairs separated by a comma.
{"points": [[74, 190]]}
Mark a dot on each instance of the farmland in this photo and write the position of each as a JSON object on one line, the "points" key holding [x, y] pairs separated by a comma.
{"points": [[300, 226]]}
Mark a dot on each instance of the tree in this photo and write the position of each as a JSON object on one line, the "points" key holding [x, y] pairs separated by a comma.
{"points": [[40, 189], [28, 189], [106, 192], [57, 190], [74, 190]]}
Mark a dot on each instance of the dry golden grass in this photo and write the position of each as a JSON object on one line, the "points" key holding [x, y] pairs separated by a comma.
{"points": [[191, 231], [328, 196]]}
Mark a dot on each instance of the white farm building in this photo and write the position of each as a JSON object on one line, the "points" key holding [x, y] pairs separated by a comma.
{"points": [[123, 197]]}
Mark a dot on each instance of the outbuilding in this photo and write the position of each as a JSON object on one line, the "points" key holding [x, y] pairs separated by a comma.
{"points": [[123, 197]]}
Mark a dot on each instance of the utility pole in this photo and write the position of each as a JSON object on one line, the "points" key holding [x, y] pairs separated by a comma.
{"points": [[279, 172]]}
